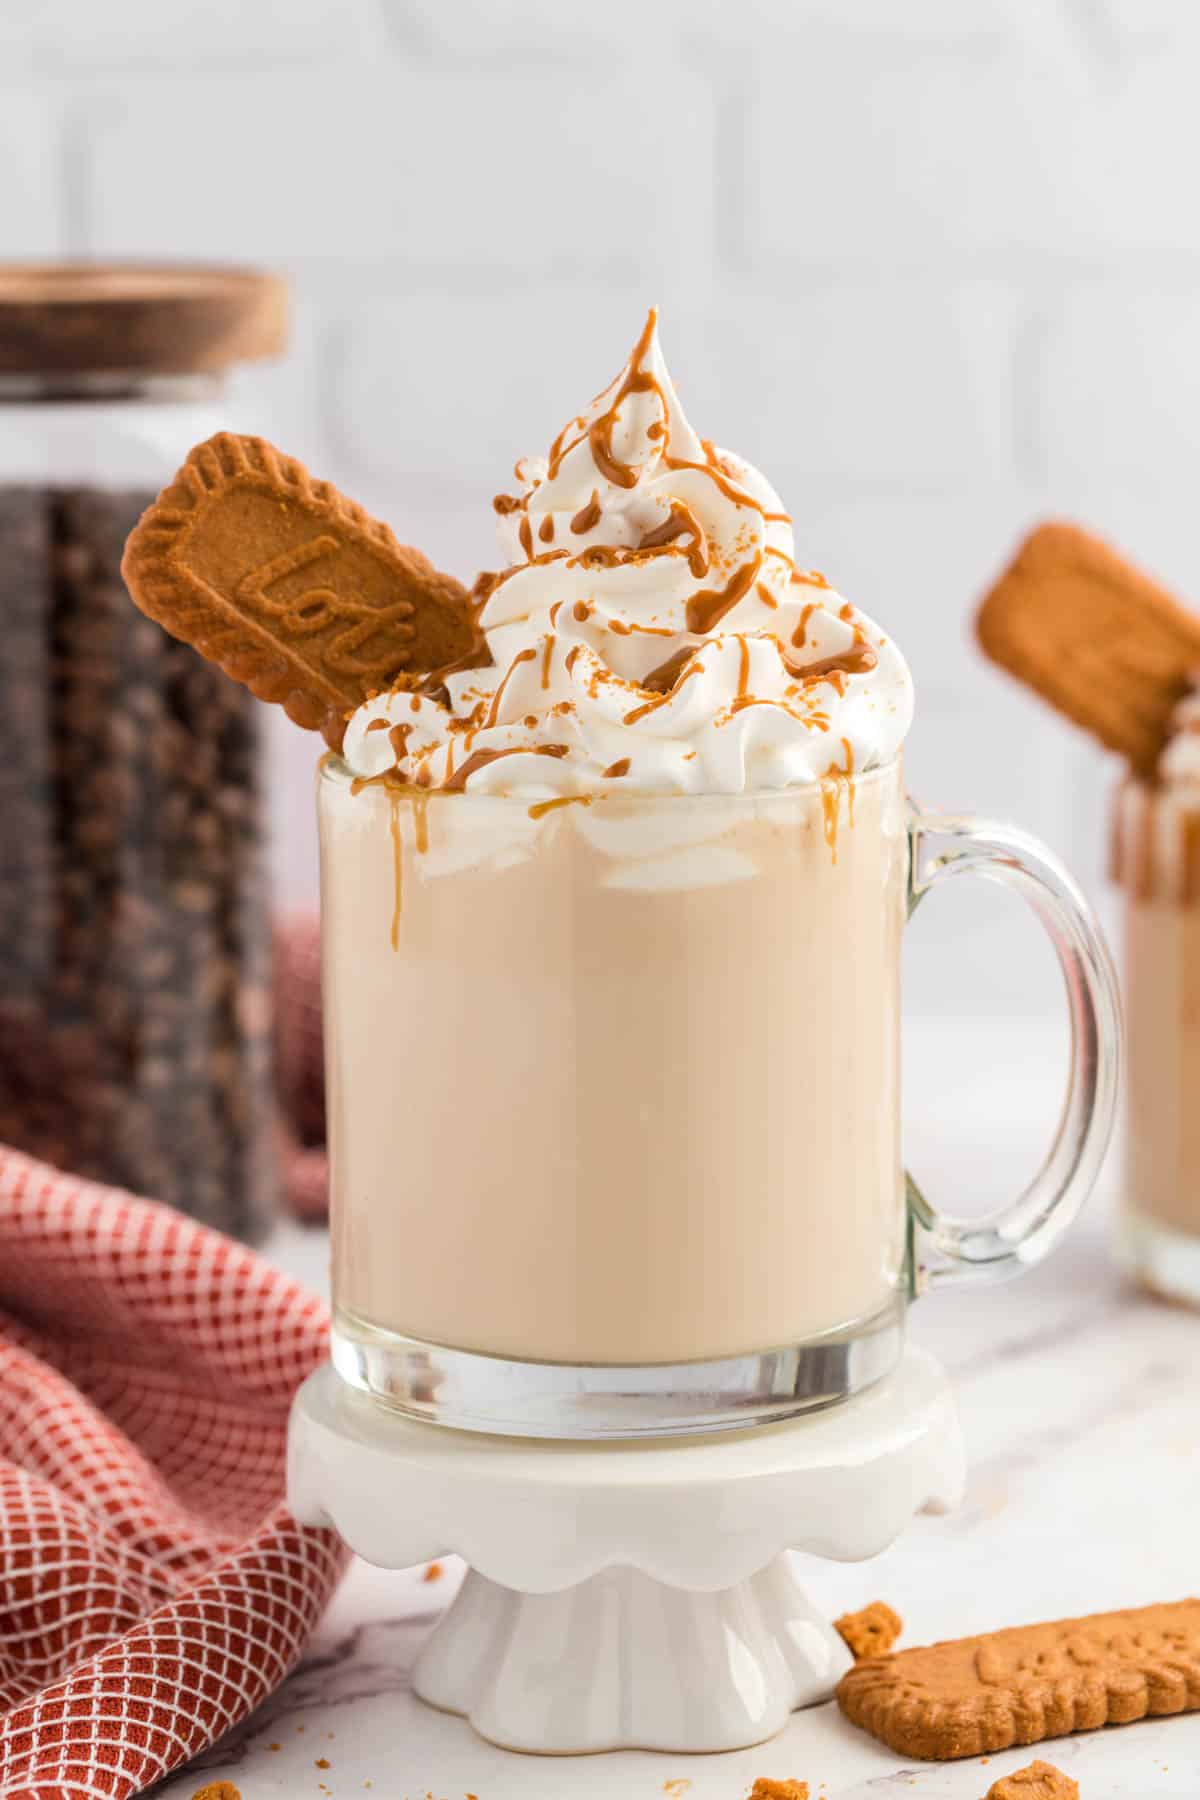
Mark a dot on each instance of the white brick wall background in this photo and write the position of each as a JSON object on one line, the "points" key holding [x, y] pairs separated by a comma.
{"points": [[934, 264]]}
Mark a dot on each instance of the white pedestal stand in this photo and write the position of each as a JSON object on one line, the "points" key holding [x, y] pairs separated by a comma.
{"points": [[628, 1595]]}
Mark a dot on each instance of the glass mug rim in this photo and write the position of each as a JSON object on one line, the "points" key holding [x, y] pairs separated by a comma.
{"points": [[333, 768]]}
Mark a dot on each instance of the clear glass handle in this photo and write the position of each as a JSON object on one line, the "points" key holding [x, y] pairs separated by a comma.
{"points": [[1016, 1236]]}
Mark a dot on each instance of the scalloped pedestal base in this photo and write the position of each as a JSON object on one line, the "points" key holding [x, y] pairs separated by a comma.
{"points": [[623, 1660], [629, 1595]]}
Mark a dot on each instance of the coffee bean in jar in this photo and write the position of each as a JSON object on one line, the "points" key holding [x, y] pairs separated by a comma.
{"points": [[135, 1016]]}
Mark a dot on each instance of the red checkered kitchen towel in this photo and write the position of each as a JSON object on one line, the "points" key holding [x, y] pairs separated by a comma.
{"points": [[153, 1587]]}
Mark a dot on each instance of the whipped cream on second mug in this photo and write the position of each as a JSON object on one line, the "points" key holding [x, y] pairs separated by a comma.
{"points": [[652, 632]]}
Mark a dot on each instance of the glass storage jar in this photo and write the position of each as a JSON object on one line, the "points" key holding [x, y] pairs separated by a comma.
{"points": [[134, 948]]}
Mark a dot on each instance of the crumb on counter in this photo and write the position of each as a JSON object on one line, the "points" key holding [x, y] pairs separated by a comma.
{"points": [[870, 1632], [766, 1789], [217, 1790], [1037, 1781], [433, 1572]]}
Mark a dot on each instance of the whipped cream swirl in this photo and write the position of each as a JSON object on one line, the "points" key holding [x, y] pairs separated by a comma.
{"points": [[652, 632]]}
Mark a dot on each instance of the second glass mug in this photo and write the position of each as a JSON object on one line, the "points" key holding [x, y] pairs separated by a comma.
{"points": [[614, 1099]]}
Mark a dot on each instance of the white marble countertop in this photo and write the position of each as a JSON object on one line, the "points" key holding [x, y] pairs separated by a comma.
{"points": [[1079, 1400]]}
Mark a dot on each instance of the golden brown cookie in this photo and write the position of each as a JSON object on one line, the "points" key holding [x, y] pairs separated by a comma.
{"points": [[1039, 1781], [980, 1694], [293, 589], [766, 1789], [871, 1632], [1103, 643]]}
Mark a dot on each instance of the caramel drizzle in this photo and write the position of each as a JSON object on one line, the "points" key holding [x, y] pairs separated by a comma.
{"points": [[547, 653], [706, 609], [397, 867], [765, 595], [641, 712], [628, 627], [587, 516], [525, 535], [859, 659], [522, 656], [1155, 844], [800, 635], [679, 520], [831, 797], [743, 685], [662, 679], [731, 489], [543, 807], [479, 759], [600, 432], [546, 529], [615, 770]]}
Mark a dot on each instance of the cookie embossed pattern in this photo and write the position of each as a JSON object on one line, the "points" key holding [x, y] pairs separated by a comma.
{"points": [[237, 558], [982, 1694]]}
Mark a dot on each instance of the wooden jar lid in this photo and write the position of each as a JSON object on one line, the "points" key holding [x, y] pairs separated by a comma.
{"points": [[171, 319]]}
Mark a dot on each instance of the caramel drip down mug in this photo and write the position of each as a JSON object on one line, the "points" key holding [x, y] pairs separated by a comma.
{"points": [[614, 1098]]}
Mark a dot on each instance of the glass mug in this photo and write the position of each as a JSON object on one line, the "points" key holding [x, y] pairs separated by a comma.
{"points": [[614, 1099], [1156, 864]]}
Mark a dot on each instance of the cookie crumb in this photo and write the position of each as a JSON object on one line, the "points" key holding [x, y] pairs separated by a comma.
{"points": [[322, 1762], [434, 1572], [1037, 1781], [217, 1790], [766, 1789], [871, 1632], [679, 1785]]}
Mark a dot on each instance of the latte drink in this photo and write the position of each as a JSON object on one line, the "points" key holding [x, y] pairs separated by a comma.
{"points": [[1157, 863], [618, 1083]]}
